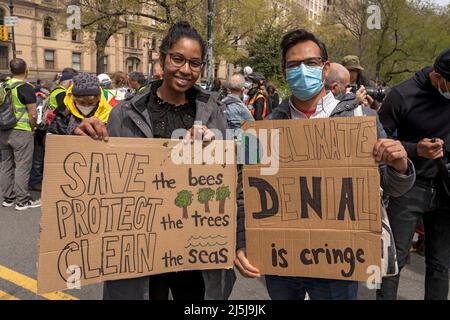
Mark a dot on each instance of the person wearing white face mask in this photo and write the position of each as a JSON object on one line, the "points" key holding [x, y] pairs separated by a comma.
{"points": [[84, 99], [417, 111]]}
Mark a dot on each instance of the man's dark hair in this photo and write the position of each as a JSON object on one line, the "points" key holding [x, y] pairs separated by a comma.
{"points": [[297, 36], [138, 77], [179, 31], [17, 66], [3, 77]]}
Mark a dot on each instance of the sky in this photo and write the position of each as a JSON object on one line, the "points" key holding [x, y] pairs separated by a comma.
{"points": [[442, 2]]}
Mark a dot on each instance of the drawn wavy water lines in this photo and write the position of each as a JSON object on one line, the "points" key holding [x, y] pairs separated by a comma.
{"points": [[205, 243], [205, 238]]}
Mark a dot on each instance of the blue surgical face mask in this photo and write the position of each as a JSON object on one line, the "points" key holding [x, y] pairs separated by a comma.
{"points": [[305, 82]]}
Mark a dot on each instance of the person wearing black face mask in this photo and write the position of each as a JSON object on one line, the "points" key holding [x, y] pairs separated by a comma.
{"points": [[257, 102], [417, 111]]}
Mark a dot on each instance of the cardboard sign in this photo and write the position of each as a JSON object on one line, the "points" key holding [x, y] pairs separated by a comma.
{"points": [[319, 215], [123, 209]]}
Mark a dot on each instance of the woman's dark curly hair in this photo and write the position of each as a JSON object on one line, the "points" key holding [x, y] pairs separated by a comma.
{"points": [[179, 31]]}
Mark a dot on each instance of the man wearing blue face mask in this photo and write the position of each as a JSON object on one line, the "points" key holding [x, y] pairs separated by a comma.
{"points": [[418, 111], [305, 65]]}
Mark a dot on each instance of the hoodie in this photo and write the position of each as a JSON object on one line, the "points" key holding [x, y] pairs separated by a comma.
{"points": [[415, 110]]}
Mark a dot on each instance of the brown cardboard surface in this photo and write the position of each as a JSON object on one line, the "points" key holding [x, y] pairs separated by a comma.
{"points": [[329, 198], [317, 143], [324, 195], [325, 254], [123, 209]]}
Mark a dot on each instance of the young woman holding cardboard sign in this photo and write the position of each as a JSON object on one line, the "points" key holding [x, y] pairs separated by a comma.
{"points": [[163, 107]]}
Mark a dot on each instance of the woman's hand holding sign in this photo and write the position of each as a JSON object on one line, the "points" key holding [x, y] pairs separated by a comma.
{"points": [[244, 266], [199, 133]]}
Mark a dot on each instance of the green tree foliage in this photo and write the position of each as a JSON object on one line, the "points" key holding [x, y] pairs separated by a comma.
{"points": [[263, 51], [222, 193], [412, 34], [184, 200], [104, 19], [205, 195], [249, 32]]}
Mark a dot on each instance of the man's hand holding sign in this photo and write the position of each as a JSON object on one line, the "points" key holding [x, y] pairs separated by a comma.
{"points": [[324, 203]]}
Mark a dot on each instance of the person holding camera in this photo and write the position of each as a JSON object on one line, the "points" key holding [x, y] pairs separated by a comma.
{"points": [[417, 111], [359, 82]]}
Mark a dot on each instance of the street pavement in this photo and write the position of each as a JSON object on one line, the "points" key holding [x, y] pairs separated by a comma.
{"points": [[19, 234]]}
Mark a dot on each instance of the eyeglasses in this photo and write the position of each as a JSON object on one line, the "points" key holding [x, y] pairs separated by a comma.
{"points": [[178, 61], [311, 62]]}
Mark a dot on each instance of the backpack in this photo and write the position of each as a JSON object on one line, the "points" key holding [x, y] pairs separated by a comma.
{"points": [[8, 118], [43, 109]]}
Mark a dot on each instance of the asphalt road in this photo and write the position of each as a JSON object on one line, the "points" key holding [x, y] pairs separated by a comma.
{"points": [[19, 233]]}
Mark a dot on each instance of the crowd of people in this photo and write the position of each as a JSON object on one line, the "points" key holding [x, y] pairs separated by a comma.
{"points": [[413, 125]]}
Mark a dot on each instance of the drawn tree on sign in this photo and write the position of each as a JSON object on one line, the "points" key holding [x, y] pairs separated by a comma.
{"points": [[222, 193], [184, 200], [205, 195]]}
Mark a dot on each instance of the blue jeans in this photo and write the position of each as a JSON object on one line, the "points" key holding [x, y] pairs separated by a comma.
{"points": [[430, 204], [295, 288]]}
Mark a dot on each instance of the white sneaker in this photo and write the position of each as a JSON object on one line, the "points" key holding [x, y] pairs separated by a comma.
{"points": [[8, 203], [28, 205]]}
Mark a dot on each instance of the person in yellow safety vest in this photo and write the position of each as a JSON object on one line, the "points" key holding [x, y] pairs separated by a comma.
{"points": [[17, 144], [84, 99], [137, 81], [257, 101], [58, 93]]}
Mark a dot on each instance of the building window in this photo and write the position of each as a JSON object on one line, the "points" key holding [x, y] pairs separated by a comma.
{"points": [[2, 17], [4, 57], [49, 26], [154, 13], [133, 64], [76, 36], [131, 40], [49, 57], [76, 61]]}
